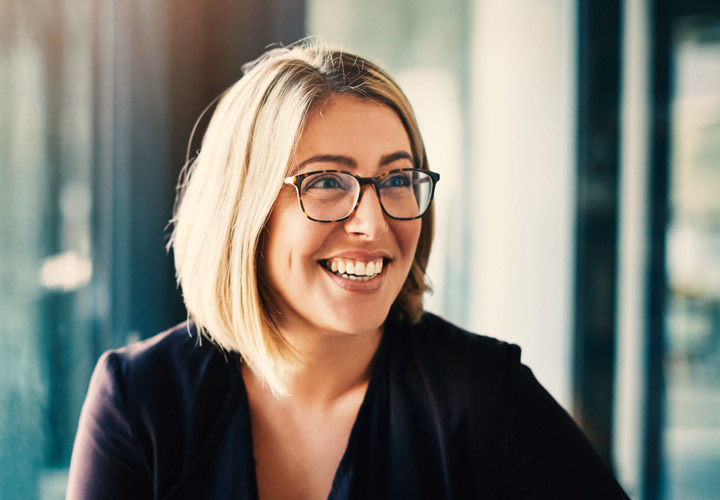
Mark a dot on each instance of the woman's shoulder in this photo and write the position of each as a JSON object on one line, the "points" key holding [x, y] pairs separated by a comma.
{"points": [[178, 358], [155, 405], [170, 391], [439, 361], [439, 341], [484, 405], [173, 368], [178, 351]]}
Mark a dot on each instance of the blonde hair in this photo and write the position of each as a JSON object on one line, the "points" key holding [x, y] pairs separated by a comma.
{"points": [[225, 196]]}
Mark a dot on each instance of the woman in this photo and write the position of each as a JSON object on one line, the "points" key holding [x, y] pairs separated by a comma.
{"points": [[301, 238]]}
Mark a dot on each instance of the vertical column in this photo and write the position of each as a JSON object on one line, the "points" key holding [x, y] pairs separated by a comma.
{"points": [[597, 218]]}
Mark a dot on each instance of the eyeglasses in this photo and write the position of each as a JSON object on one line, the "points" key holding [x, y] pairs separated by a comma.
{"points": [[333, 195]]}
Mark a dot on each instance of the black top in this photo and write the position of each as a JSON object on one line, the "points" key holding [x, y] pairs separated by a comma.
{"points": [[447, 414]]}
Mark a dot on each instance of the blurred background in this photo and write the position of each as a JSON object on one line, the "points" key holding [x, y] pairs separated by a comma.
{"points": [[578, 212]]}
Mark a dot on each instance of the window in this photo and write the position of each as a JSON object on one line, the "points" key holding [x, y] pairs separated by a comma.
{"points": [[691, 431]]}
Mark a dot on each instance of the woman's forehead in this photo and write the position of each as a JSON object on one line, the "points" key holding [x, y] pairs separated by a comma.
{"points": [[349, 131]]}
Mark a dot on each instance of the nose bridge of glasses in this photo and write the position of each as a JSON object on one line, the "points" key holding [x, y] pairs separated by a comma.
{"points": [[363, 182]]}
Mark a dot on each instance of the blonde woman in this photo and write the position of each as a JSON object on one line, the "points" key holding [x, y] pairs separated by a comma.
{"points": [[308, 369]]}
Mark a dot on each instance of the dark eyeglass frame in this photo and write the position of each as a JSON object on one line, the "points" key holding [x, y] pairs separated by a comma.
{"points": [[296, 180]]}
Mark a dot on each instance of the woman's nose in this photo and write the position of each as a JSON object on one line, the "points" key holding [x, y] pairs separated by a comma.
{"points": [[369, 219]]}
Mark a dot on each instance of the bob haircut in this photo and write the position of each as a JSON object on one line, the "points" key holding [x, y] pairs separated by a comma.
{"points": [[226, 194]]}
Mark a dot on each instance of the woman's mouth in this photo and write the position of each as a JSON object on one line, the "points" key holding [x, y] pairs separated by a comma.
{"points": [[356, 270]]}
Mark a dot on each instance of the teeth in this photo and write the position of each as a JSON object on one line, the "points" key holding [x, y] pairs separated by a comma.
{"points": [[355, 270]]}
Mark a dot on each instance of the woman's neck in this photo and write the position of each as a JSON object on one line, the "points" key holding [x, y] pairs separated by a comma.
{"points": [[299, 441], [332, 367]]}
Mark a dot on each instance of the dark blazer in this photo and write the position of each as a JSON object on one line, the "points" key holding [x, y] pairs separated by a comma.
{"points": [[447, 415]]}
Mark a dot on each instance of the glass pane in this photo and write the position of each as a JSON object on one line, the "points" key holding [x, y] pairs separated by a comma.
{"points": [[692, 362]]}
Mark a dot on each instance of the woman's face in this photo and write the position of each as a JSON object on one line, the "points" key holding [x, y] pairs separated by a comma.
{"points": [[351, 134]]}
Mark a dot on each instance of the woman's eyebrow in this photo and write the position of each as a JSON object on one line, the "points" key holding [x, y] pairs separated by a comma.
{"points": [[342, 160], [351, 163], [392, 157]]}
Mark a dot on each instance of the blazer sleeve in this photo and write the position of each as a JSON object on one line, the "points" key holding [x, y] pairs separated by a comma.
{"points": [[106, 461], [548, 455]]}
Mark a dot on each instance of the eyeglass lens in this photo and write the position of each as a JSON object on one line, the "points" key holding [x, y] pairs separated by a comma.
{"points": [[332, 195]]}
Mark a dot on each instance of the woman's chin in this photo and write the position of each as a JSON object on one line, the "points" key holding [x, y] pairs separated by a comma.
{"points": [[357, 320]]}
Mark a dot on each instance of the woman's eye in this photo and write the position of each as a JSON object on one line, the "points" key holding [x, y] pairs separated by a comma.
{"points": [[397, 180], [324, 182]]}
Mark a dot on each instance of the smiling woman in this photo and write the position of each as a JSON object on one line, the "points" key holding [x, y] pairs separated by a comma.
{"points": [[301, 238], [311, 299]]}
